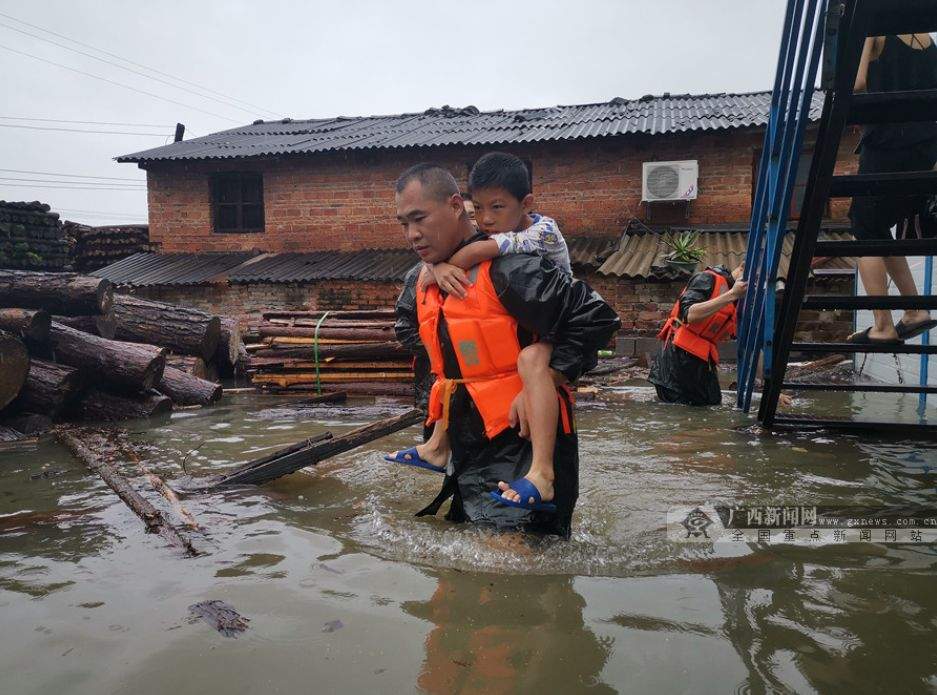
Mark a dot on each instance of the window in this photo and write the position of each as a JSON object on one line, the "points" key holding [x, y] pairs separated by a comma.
{"points": [[237, 203]]}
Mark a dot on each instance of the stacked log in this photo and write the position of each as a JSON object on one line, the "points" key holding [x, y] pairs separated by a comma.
{"points": [[96, 247], [31, 237], [356, 351], [183, 330], [79, 371], [14, 367]]}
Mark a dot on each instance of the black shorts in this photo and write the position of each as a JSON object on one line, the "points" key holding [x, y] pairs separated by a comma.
{"points": [[873, 216]]}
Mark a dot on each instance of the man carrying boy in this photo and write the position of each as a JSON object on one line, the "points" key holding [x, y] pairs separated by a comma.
{"points": [[474, 344], [499, 184]]}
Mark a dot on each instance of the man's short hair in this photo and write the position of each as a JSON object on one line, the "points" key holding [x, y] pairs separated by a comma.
{"points": [[500, 170], [437, 182]]}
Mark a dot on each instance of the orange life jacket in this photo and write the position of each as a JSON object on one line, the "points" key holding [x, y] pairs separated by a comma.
{"points": [[484, 338], [700, 339]]}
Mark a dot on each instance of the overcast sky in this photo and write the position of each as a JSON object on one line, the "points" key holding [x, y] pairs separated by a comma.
{"points": [[320, 59]]}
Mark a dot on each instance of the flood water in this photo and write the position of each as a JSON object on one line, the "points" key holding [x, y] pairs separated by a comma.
{"points": [[347, 592]]}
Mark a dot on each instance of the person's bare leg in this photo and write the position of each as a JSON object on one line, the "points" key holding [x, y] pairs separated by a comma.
{"points": [[900, 273], [533, 365], [873, 273], [436, 449]]}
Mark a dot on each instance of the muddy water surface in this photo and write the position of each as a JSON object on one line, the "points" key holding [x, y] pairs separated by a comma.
{"points": [[347, 592]]}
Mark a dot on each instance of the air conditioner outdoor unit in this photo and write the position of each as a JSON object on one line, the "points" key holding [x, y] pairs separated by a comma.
{"points": [[661, 181]]}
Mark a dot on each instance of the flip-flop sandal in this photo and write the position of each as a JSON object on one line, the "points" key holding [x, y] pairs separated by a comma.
{"points": [[409, 457], [863, 338], [526, 490], [906, 331]]}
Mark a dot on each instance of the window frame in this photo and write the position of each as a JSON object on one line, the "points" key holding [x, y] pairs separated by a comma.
{"points": [[215, 184]]}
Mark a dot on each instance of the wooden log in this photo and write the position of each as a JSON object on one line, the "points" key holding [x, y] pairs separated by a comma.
{"points": [[180, 329], [29, 324], [160, 485], [261, 364], [269, 469], [110, 407], [310, 378], [104, 325], [8, 434], [58, 293], [387, 350], [14, 367], [186, 389], [190, 364], [292, 340], [129, 365], [362, 334], [229, 346], [48, 389], [29, 423], [354, 389], [343, 313], [327, 397], [153, 518]]}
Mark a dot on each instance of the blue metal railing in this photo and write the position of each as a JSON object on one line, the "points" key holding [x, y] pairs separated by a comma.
{"points": [[791, 100], [925, 337]]}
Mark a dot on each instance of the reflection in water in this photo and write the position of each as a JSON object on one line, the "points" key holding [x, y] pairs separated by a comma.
{"points": [[617, 607], [507, 634]]}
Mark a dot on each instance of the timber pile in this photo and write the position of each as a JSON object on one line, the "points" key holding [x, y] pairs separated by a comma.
{"points": [[31, 237], [96, 247], [70, 367], [356, 351]]}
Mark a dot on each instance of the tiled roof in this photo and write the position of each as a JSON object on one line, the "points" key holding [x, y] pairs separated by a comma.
{"points": [[447, 126], [640, 255], [150, 269]]}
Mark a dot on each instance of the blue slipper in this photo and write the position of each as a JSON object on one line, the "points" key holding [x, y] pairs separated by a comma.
{"points": [[409, 457], [526, 490]]}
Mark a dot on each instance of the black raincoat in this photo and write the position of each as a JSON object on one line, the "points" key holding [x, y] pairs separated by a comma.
{"points": [[678, 376], [577, 321]]}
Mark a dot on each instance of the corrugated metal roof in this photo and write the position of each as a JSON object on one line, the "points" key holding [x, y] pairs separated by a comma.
{"points": [[151, 269], [640, 256], [588, 253], [371, 264], [447, 126], [148, 269]]}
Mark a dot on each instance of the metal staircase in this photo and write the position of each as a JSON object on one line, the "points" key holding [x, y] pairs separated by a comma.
{"points": [[834, 30]]}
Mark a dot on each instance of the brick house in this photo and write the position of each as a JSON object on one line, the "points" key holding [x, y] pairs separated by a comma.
{"points": [[300, 213]]}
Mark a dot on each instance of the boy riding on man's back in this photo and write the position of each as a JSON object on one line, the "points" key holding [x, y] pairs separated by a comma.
{"points": [[499, 184]]}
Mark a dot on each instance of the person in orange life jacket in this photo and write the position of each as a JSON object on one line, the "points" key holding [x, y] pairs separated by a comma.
{"points": [[473, 345], [684, 371], [500, 185]]}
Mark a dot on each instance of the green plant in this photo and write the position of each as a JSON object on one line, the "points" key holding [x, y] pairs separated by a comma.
{"points": [[684, 248]]}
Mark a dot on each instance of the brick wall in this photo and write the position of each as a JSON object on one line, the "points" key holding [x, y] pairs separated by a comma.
{"points": [[642, 306], [345, 200], [246, 302]]}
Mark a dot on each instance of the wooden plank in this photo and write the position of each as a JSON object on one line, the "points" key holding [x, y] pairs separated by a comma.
{"points": [[256, 473]]}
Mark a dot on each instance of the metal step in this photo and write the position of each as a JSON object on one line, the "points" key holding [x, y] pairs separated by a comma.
{"points": [[842, 301], [853, 348], [893, 107], [862, 388], [902, 17], [864, 426], [898, 247], [899, 183]]}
